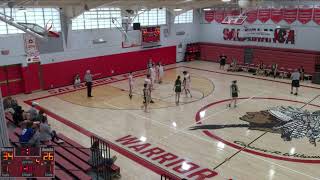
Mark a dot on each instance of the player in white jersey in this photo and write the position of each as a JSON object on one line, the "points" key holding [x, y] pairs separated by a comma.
{"points": [[187, 83], [130, 78], [161, 72], [147, 81], [152, 75], [157, 73]]}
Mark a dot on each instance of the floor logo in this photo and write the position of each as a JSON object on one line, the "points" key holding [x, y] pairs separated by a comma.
{"points": [[289, 122]]}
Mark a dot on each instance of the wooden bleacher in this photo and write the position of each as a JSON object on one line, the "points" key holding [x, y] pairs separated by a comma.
{"points": [[71, 158]]}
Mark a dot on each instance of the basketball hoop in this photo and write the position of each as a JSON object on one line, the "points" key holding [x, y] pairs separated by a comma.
{"points": [[50, 29], [234, 20]]}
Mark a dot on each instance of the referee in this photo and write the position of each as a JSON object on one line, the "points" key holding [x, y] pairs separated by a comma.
{"points": [[88, 80], [295, 77]]}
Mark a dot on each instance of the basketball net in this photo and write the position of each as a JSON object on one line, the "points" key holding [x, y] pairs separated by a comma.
{"points": [[51, 32]]}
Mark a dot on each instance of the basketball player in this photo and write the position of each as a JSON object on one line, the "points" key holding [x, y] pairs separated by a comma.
{"points": [[177, 89], [161, 72], [157, 73], [146, 97], [88, 80], [147, 81], [130, 84], [234, 90], [295, 77], [187, 83], [152, 75]]}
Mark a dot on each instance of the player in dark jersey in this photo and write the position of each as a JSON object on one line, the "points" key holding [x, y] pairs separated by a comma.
{"points": [[234, 90], [177, 89]]}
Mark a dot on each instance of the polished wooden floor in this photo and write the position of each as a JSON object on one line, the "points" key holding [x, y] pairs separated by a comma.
{"points": [[221, 146]]}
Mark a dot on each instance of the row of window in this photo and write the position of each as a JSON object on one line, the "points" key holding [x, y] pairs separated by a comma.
{"points": [[99, 18], [40, 16]]}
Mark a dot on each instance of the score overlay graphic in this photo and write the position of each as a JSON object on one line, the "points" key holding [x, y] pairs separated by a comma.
{"points": [[27, 162]]}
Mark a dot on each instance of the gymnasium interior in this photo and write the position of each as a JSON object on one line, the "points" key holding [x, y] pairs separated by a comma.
{"points": [[160, 89]]}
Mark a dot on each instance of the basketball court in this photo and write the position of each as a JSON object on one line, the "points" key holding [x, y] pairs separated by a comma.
{"points": [[201, 130], [270, 134]]}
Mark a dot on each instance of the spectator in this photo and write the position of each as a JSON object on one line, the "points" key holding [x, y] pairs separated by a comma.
{"points": [[97, 158], [301, 70], [18, 115], [46, 133], [77, 81], [33, 111], [274, 69], [7, 105], [223, 60], [295, 77], [40, 116], [35, 139], [26, 134]]}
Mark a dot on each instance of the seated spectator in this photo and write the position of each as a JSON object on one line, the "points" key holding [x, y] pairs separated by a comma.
{"points": [[46, 133], [18, 115], [35, 139], [40, 116], [33, 112], [26, 134], [97, 159], [77, 81], [7, 105]]}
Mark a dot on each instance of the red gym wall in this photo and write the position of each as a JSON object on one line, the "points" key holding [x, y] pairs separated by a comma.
{"points": [[62, 73], [15, 79], [287, 58]]}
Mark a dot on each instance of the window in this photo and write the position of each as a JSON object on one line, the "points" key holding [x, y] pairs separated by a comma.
{"points": [[99, 18], [152, 17], [40, 16], [186, 17]]}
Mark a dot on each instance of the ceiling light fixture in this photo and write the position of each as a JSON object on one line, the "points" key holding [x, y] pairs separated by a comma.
{"points": [[226, 0], [177, 9], [207, 9]]}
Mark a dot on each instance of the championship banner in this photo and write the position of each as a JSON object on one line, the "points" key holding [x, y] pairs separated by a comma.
{"points": [[209, 16], [290, 15], [232, 12], [31, 48], [305, 14], [316, 15], [276, 15], [252, 16], [264, 15], [219, 15]]}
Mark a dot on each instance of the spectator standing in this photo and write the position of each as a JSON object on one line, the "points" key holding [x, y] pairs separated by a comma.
{"points": [[223, 60], [88, 80], [295, 77]]}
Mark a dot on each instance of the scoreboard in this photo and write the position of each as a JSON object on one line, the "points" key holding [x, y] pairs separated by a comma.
{"points": [[150, 34], [27, 162]]}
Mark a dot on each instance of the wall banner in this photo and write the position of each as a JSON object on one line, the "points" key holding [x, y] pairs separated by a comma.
{"points": [[276, 36], [31, 48]]}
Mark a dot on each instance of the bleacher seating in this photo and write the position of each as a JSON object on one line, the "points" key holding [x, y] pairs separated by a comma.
{"points": [[71, 158]]}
